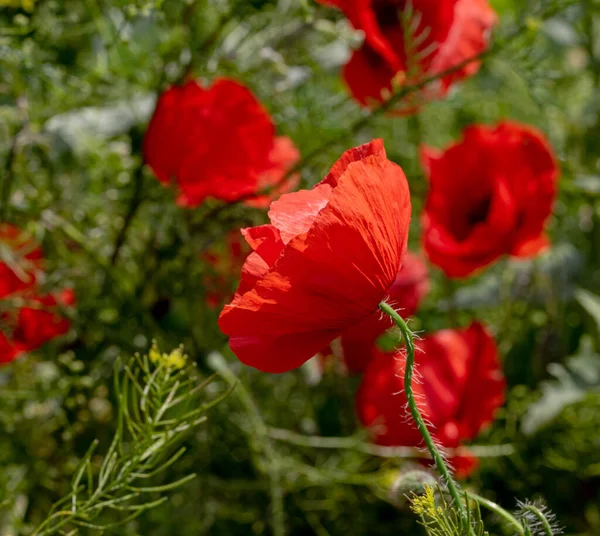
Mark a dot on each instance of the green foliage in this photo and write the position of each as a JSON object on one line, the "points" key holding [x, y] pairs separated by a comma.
{"points": [[573, 382], [591, 303], [438, 517], [158, 406], [79, 79]]}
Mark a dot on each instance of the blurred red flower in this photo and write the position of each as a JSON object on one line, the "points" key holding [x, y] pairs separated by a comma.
{"points": [[460, 385], [218, 142], [40, 321], [405, 294], [443, 34], [327, 259], [20, 259], [35, 318], [490, 194], [36, 323]]}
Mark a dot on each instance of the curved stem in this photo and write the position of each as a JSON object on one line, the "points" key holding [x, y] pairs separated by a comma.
{"points": [[67, 515], [498, 510], [412, 404], [546, 527]]}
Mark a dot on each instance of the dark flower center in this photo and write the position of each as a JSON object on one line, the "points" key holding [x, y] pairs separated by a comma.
{"points": [[387, 13], [462, 226], [480, 212]]}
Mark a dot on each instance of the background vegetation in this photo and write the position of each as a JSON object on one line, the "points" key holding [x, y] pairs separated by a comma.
{"points": [[78, 82]]}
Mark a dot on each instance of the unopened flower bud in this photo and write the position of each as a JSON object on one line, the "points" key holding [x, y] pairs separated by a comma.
{"points": [[410, 482]]}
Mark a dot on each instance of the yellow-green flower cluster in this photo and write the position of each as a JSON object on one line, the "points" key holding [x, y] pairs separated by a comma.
{"points": [[424, 505], [176, 359]]}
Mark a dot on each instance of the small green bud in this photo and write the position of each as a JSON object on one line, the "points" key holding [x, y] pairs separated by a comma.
{"points": [[408, 483]]}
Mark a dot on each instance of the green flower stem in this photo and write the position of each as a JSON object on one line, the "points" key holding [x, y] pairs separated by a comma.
{"points": [[412, 404], [546, 527], [493, 507]]}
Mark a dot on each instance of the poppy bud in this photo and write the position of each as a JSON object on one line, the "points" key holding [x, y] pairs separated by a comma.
{"points": [[408, 483]]}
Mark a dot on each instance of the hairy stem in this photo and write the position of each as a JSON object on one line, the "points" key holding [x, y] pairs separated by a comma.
{"points": [[546, 527], [412, 404]]}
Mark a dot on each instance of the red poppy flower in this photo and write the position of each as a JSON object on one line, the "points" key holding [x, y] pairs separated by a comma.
{"points": [[41, 321], [405, 294], [490, 194], [443, 35], [36, 324], [218, 142], [26, 328], [20, 258], [460, 386], [327, 259]]}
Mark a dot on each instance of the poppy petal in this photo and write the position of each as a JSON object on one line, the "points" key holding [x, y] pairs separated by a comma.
{"points": [[332, 275], [217, 142], [490, 195]]}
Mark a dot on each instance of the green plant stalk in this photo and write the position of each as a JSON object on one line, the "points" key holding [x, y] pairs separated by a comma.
{"points": [[145, 394], [268, 459], [542, 518], [498, 510], [8, 176], [416, 414]]}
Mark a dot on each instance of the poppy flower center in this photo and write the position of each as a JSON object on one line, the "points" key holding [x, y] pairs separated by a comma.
{"points": [[462, 227], [388, 13], [480, 212]]}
